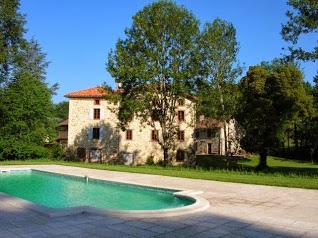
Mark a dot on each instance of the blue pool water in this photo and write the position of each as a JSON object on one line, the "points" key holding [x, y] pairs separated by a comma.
{"points": [[59, 191]]}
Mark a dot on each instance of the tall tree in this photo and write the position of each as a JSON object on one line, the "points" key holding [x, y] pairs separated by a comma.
{"points": [[154, 64], [11, 36], [303, 20], [25, 98], [217, 90], [270, 101]]}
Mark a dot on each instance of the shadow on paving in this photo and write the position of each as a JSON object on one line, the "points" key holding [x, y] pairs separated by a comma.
{"points": [[17, 222]]}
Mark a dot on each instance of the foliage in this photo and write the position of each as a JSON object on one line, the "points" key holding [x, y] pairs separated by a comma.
{"points": [[56, 152], [155, 63], [150, 160], [270, 101], [11, 36], [25, 116], [303, 20], [25, 98], [216, 86], [61, 110]]}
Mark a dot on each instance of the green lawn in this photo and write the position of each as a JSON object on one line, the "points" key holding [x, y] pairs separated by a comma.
{"points": [[282, 172]]}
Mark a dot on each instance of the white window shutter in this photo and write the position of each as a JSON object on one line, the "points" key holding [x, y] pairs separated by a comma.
{"points": [[102, 114], [91, 113], [101, 133], [90, 133]]}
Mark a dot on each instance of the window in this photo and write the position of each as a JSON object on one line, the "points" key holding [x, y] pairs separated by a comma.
{"points": [[180, 102], [211, 133], [128, 134], [154, 135], [96, 113], [180, 155], [96, 133], [197, 134], [96, 102], [180, 116], [181, 135]]}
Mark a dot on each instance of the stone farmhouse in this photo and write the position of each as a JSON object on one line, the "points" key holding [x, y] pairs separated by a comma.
{"points": [[93, 134]]}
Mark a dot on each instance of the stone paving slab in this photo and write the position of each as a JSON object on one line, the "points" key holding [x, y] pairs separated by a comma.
{"points": [[236, 210]]}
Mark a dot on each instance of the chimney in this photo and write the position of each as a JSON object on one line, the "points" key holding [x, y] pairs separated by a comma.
{"points": [[201, 118], [119, 85]]}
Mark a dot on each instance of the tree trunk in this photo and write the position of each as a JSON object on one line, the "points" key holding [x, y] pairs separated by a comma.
{"points": [[225, 139], [262, 160], [288, 140], [296, 139], [165, 157]]}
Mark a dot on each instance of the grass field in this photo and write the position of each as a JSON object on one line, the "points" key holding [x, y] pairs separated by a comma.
{"points": [[281, 172]]}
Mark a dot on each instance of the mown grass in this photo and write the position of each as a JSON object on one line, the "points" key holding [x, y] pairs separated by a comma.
{"points": [[281, 172]]}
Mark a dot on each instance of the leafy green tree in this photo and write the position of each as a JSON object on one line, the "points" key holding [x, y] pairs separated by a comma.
{"points": [[26, 106], [303, 20], [25, 98], [155, 63], [61, 110], [270, 101], [217, 90], [11, 36]]}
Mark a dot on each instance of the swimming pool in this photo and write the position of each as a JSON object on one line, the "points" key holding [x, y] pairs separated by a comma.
{"points": [[191, 197], [61, 191]]}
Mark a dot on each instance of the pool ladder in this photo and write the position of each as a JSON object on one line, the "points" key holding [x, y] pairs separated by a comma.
{"points": [[4, 171]]}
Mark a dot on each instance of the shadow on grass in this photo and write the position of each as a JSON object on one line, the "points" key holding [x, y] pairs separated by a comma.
{"points": [[281, 166]]}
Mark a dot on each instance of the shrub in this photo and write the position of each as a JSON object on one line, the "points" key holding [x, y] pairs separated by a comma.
{"points": [[150, 160]]}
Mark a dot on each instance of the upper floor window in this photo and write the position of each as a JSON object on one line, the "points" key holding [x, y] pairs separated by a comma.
{"points": [[154, 135], [96, 102], [180, 116], [129, 135], [96, 133], [96, 113], [181, 135], [180, 102]]}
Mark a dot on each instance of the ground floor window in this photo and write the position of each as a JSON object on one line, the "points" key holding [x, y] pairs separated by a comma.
{"points": [[95, 155], [180, 156]]}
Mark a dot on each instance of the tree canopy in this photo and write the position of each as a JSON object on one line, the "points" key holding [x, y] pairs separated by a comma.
{"points": [[25, 98], [11, 36], [271, 99], [303, 20], [155, 64]]}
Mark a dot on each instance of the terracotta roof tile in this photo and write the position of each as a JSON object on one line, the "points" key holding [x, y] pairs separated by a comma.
{"points": [[96, 92], [64, 123], [209, 123]]}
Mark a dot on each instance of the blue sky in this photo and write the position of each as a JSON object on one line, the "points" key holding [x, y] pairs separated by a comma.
{"points": [[78, 34]]}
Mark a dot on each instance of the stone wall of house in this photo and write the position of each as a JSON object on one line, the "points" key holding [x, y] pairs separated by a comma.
{"points": [[81, 122], [114, 145]]}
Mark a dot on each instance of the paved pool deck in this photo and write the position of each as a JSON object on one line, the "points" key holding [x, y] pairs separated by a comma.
{"points": [[236, 210]]}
